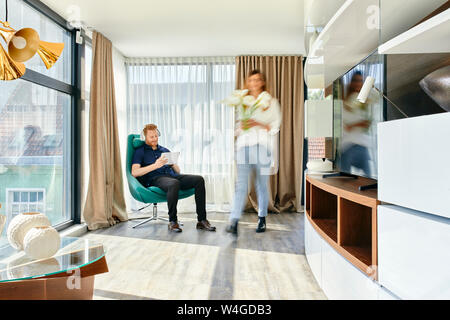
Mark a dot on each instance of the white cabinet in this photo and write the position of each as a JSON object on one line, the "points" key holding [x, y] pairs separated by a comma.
{"points": [[313, 251], [341, 280], [413, 169], [413, 253], [384, 294], [337, 277]]}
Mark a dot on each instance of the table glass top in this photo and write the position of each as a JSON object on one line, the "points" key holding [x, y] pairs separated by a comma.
{"points": [[74, 253]]}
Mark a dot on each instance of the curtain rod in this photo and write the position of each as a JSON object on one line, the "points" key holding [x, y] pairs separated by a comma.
{"points": [[180, 59], [219, 57]]}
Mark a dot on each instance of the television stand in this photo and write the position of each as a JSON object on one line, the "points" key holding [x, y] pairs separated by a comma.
{"points": [[368, 186], [345, 218], [340, 174]]}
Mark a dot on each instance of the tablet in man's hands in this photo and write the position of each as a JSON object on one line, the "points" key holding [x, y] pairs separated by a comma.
{"points": [[172, 157]]}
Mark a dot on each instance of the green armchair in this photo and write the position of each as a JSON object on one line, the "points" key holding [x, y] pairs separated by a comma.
{"points": [[149, 195]]}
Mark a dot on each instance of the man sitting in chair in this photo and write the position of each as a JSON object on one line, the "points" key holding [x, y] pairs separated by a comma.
{"points": [[151, 170]]}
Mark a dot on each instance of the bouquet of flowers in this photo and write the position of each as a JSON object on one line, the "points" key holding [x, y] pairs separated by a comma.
{"points": [[247, 104]]}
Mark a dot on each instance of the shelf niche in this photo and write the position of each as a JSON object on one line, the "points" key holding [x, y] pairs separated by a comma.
{"points": [[324, 211], [355, 230], [345, 217]]}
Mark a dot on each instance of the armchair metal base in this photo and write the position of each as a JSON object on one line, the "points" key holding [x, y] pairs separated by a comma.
{"points": [[154, 217]]}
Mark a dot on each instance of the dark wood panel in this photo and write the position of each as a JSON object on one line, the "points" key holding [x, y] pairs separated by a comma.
{"points": [[363, 266], [323, 204], [362, 253], [48, 289], [328, 226], [21, 290], [350, 227], [355, 224], [307, 196], [347, 188]]}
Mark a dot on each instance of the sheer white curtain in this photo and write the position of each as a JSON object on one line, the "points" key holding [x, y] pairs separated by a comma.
{"points": [[182, 96]]}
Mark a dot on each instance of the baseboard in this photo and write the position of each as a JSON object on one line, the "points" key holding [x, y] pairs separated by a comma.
{"points": [[76, 230]]}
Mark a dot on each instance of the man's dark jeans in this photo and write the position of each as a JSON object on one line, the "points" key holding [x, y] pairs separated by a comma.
{"points": [[171, 185]]}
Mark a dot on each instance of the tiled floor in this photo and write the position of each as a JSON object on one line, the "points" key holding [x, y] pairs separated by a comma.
{"points": [[149, 262]]}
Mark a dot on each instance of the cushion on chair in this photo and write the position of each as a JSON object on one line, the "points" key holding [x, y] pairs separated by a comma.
{"points": [[137, 143], [157, 191], [181, 193]]}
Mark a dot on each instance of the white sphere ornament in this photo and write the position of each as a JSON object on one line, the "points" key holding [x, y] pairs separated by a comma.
{"points": [[21, 224], [41, 242]]}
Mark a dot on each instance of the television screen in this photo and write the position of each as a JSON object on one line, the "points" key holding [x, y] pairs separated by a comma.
{"points": [[412, 83], [355, 123], [417, 84]]}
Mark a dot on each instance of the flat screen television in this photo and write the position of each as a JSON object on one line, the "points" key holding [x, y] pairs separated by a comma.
{"points": [[355, 124]]}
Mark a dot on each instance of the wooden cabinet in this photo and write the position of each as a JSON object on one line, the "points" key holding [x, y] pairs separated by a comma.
{"points": [[345, 217]]}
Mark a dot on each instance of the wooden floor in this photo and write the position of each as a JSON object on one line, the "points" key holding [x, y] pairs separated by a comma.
{"points": [[149, 262]]}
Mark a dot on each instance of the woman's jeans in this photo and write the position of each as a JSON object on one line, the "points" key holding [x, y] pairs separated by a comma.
{"points": [[356, 156], [256, 158]]}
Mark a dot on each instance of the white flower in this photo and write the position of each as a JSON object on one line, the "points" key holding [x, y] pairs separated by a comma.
{"points": [[232, 100], [240, 93], [248, 101], [264, 99], [235, 99]]}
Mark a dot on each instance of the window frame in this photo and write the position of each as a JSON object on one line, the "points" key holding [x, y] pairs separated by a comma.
{"points": [[71, 198], [10, 202]]}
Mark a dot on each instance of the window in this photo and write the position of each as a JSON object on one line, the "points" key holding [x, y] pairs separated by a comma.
{"points": [[184, 100], [24, 200], [36, 124], [35, 144], [21, 138], [183, 97]]}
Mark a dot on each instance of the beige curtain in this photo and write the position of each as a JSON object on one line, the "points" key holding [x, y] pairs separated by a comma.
{"points": [[284, 81], [105, 203]]}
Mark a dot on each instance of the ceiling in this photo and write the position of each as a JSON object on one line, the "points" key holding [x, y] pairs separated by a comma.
{"points": [[150, 28]]}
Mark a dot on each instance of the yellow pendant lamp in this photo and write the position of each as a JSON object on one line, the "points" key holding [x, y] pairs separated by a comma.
{"points": [[10, 69], [23, 44]]}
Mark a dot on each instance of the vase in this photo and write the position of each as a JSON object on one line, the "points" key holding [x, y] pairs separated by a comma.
{"points": [[41, 242], [21, 224], [437, 86]]}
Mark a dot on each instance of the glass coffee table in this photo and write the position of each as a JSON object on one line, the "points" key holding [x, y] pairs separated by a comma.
{"points": [[69, 274]]}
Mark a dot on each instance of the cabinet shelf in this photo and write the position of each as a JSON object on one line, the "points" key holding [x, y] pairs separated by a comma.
{"points": [[346, 39], [427, 37], [328, 226], [345, 217], [363, 254], [341, 44]]}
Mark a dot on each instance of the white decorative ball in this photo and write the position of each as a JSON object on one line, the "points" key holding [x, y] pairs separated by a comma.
{"points": [[41, 242], [21, 224]]}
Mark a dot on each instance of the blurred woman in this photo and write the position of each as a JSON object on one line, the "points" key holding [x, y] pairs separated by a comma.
{"points": [[356, 120], [259, 119]]}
